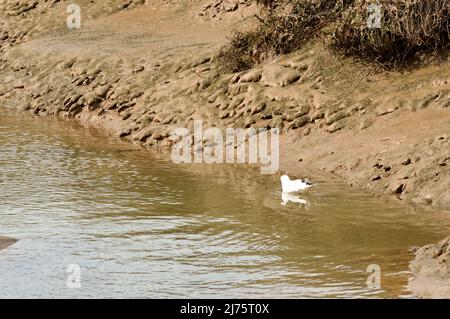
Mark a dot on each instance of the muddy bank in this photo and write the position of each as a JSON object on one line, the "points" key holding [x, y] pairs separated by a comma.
{"points": [[431, 269], [143, 69], [5, 242], [158, 73]]}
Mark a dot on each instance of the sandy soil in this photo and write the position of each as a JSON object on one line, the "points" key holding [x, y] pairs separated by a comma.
{"points": [[142, 70]]}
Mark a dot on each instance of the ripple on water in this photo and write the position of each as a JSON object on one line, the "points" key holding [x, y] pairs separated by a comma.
{"points": [[140, 226]]}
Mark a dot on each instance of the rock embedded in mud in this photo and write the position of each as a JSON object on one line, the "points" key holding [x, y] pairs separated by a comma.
{"points": [[332, 118], [258, 107], [236, 102], [204, 83], [406, 162], [237, 89], [319, 114], [144, 135], [275, 123], [276, 75], [330, 110], [235, 78], [252, 76], [212, 98], [160, 117], [336, 126], [138, 69], [289, 116], [398, 188], [4, 35], [102, 91], [299, 122], [303, 110], [249, 122], [125, 132], [230, 5], [224, 115]]}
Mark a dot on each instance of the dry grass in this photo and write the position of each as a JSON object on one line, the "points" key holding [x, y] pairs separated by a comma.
{"points": [[407, 27], [285, 26]]}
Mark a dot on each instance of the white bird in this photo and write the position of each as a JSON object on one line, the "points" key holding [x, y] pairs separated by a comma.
{"points": [[289, 186]]}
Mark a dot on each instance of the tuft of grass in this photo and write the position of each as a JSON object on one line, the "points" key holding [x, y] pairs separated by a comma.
{"points": [[285, 26], [408, 27], [242, 52]]}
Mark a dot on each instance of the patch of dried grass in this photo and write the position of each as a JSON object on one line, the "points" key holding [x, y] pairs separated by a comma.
{"points": [[407, 27]]}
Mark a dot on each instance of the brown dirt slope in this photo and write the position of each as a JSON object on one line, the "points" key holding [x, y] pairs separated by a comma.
{"points": [[432, 268], [143, 70]]}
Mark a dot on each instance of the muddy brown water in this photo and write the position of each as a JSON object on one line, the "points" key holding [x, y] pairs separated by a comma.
{"points": [[140, 226]]}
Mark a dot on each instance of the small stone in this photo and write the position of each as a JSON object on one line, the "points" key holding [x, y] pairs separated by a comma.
{"points": [[125, 133], [332, 118], [299, 122], [259, 107], [235, 78], [277, 75], [249, 122], [253, 76], [224, 115], [339, 125], [230, 6], [319, 114], [139, 69], [212, 98], [406, 162], [236, 102], [398, 188]]}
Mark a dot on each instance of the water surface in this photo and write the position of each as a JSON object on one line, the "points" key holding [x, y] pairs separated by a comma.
{"points": [[139, 226]]}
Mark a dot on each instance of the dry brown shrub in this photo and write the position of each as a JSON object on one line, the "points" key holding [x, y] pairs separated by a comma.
{"points": [[407, 27], [286, 25]]}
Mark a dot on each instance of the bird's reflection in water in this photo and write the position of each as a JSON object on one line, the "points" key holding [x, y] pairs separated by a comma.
{"points": [[287, 197]]}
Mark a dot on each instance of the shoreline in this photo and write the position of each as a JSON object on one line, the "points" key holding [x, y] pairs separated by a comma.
{"points": [[6, 242], [386, 133], [430, 268]]}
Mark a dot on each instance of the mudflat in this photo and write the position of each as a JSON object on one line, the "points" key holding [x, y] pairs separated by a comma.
{"points": [[6, 241]]}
